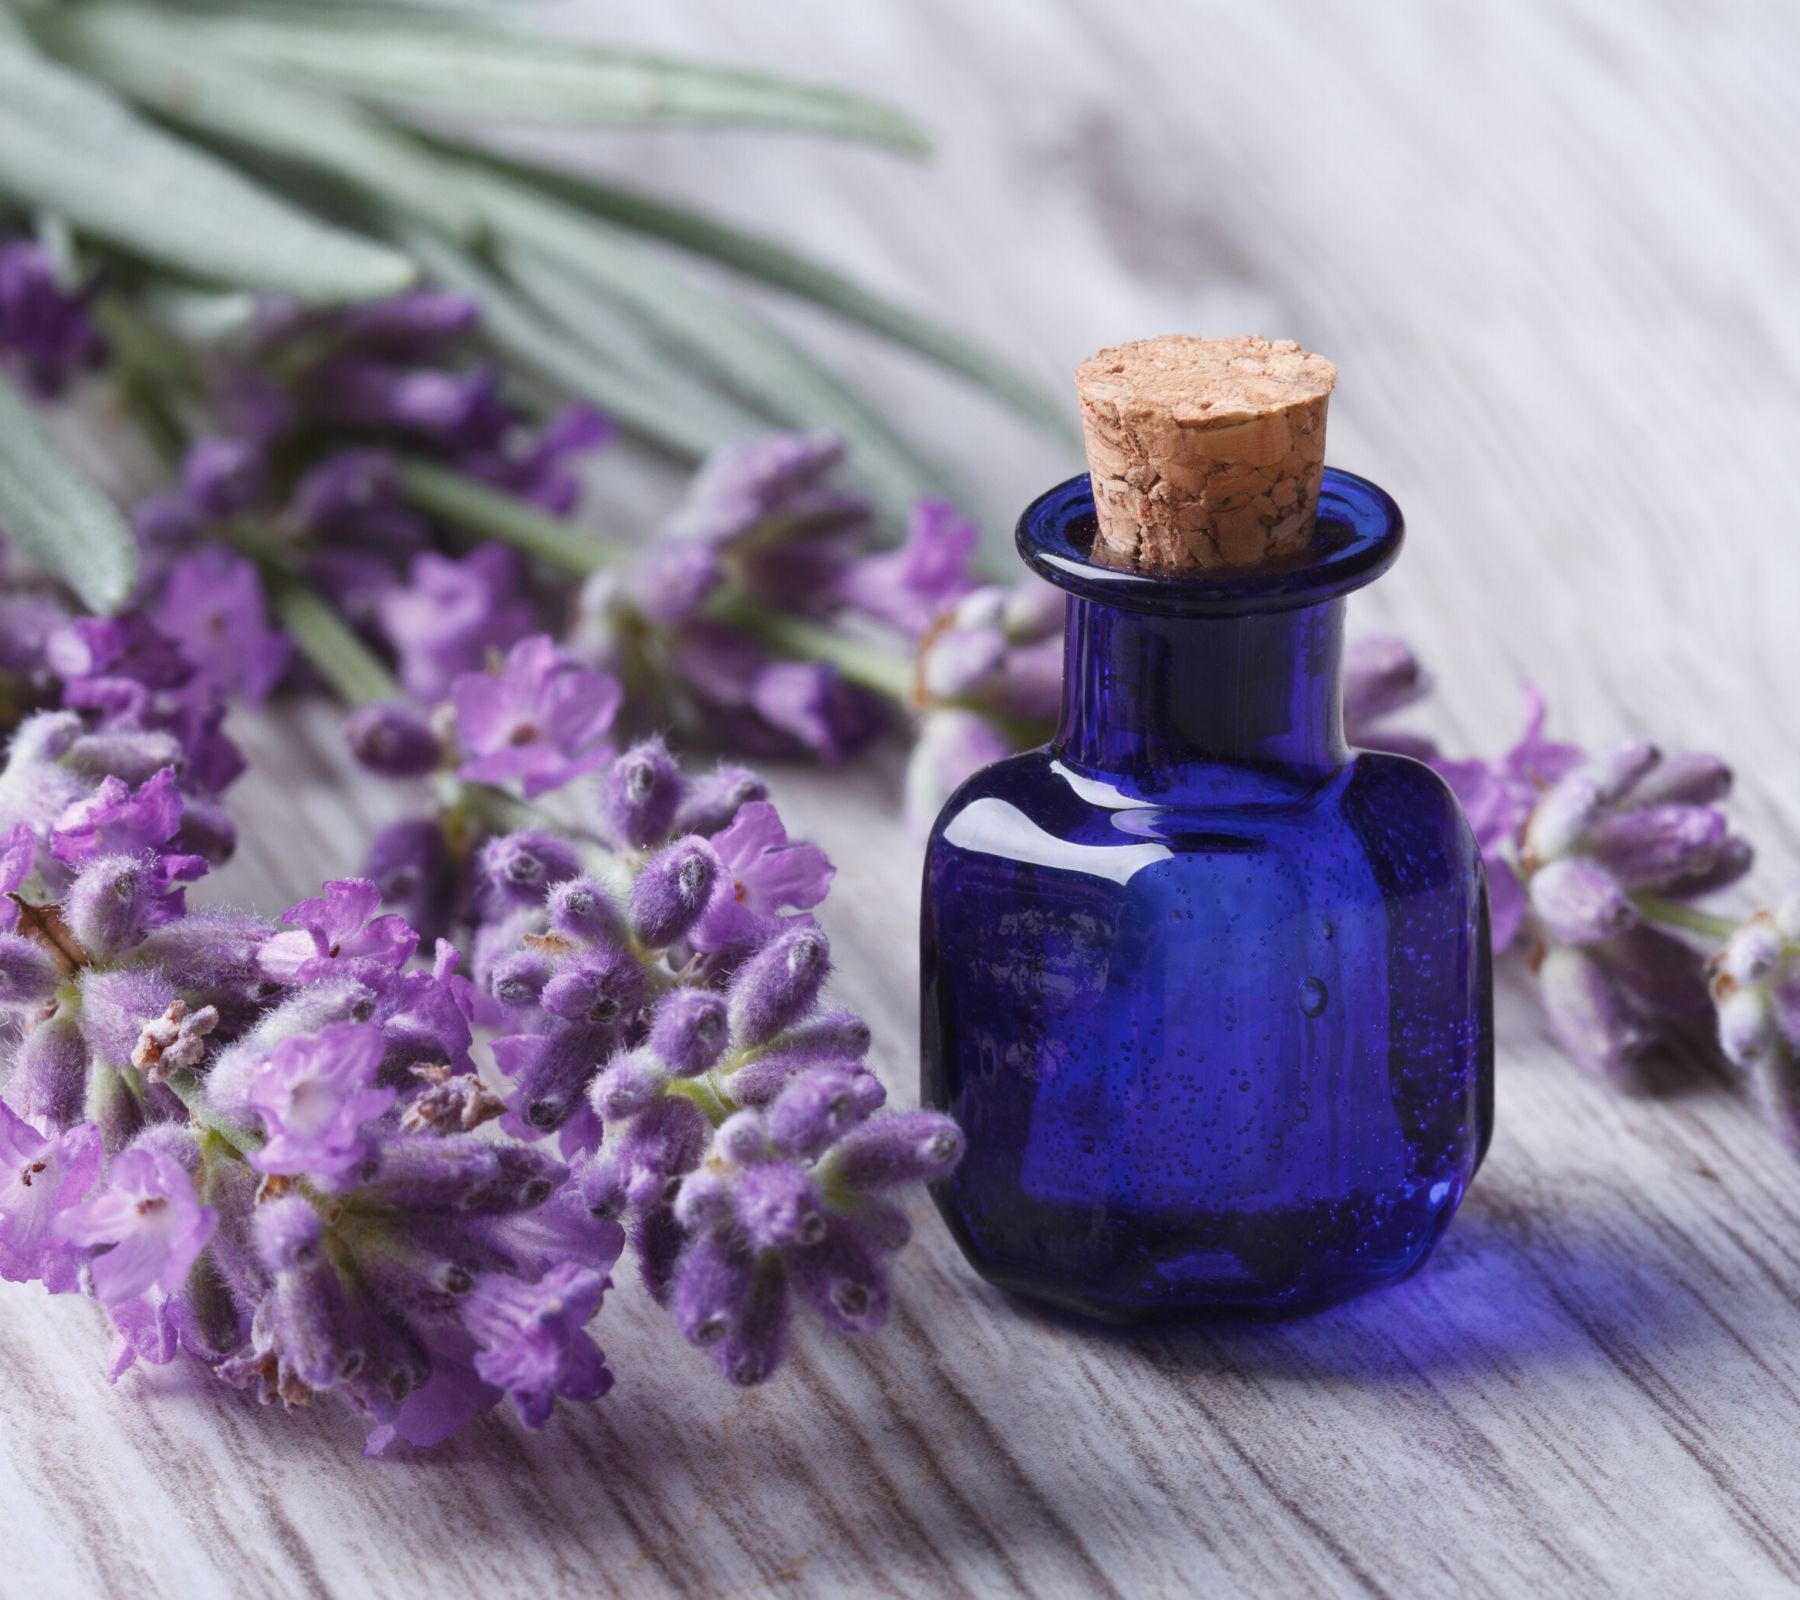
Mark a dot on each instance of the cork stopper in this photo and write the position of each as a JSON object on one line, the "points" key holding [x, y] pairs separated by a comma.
{"points": [[1204, 452]]}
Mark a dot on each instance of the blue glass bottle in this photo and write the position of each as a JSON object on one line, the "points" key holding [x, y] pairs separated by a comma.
{"points": [[1208, 992]]}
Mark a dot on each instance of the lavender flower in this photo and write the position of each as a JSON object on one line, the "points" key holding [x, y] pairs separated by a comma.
{"points": [[531, 1338], [341, 926], [314, 1096], [211, 605], [150, 1222], [42, 1177], [45, 329], [452, 616], [542, 718], [762, 874]]}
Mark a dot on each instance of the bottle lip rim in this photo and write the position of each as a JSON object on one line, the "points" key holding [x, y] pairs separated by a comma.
{"points": [[1357, 537]]}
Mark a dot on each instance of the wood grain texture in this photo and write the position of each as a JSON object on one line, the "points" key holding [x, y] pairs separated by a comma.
{"points": [[1554, 250]]}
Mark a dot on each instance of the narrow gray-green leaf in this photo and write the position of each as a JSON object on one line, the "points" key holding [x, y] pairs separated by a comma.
{"points": [[688, 421], [164, 65], [460, 66], [68, 146], [765, 259], [57, 516], [719, 334]]}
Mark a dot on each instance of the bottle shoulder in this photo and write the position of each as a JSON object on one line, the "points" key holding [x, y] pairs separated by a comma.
{"points": [[1376, 802]]}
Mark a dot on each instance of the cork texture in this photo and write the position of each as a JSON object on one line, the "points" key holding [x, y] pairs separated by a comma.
{"points": [[1204, 452]]}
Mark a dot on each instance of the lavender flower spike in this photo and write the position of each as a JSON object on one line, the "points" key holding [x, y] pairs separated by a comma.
{"points": [[1603, 853]]}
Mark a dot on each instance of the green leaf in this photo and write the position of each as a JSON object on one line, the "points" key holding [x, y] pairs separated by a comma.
{"points": [[688, 420], [460, 66], [58, 516], [69, 147], [164, 65], [773, 263], [716, 333]]}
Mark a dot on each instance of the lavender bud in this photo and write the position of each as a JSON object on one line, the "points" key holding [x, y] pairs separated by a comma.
{"points": [[1689, 778], [310, 1322], [777, 1204], [50, 1072], [690, 1030], [712, 1284], [1560, 819], [627, 1087], [1617, 771], [112, 1108], [551, 1071], [584, 908], [703, 1200], [109, 904], [778, 985], [715, 799], [1659, 972], [640, 792], [905, 1147], [758, 1083], [668, 1137], [672, 891], [841, 1034], [28, 972], [600, 1184], [742, 1139], [1652, 844], [658, 1239], [526, 1178], [603, 987], [206, 830], [880, 1224], [1748, 1033], [1580, 902], [752, 1350], [868, 1094], [395, 741], [431, 1171], [646, 1188], [289, 1234], [1587, 1013], [519, 868], [1733, 860], [223, 476], [841, 1279], [813, 1112], [519, 979]]}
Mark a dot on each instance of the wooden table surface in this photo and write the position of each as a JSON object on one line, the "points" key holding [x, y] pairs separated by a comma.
{"points": [[1555, 250]]}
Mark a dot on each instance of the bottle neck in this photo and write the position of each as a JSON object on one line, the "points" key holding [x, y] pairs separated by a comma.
{"points": [[1149, 696]]}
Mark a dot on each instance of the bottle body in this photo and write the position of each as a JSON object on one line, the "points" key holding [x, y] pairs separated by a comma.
{"points": [[1208, 993]]}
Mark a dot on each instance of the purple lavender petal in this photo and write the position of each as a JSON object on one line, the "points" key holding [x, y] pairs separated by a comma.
{"points": [[314, 1095], [152, 1220], [542, 718], [41, 1177], [531, 1341], [764, 875], [910, 587]]}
